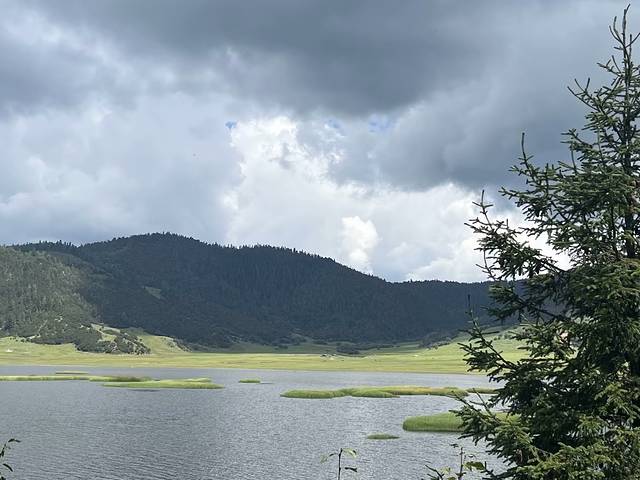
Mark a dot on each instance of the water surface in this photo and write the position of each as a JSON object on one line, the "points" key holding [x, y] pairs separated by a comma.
{"points": [[81, 430]]}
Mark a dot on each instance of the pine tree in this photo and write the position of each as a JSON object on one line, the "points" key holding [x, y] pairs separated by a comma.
{"points": [[574, 399]]}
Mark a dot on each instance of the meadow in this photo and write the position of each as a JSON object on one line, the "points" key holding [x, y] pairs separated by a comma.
{"points": [[408, 357]]}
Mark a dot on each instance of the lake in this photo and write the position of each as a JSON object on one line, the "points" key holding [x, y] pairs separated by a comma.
{"points": [[81, 430]]}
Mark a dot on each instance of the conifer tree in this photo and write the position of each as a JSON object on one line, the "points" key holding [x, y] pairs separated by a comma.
{"points": [[574, 399]]}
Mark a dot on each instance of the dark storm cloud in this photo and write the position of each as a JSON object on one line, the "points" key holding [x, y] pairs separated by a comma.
{"points": [[462, 80], [350, 58], [39, 71]]}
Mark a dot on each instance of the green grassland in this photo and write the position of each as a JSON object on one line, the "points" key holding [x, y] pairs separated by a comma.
{"points": [[165, 352]]}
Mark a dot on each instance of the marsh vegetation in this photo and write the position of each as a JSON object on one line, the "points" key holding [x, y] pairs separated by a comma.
{"points": [[124, 381], [382, 436], [385, 392], [439, 422], [442, 422], [185, 383]]}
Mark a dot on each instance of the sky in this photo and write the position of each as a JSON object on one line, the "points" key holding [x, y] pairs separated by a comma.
{"points": [[360, 130]]}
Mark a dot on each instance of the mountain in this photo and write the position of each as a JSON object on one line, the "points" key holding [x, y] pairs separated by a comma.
{"points": [[212, 295]]}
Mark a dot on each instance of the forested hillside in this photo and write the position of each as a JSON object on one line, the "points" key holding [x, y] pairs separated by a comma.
{"points": [[41, 299], [213, 295]]}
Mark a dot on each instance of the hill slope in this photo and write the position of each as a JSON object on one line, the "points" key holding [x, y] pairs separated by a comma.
{"points": [[211, 295], [41, 299]]}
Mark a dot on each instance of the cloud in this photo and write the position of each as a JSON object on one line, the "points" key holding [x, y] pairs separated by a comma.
{"points": [[355, 57], [98, 173], [359, 238], [48, 67], [360, 131], [460, 263], [425, 93], [286, 196]]}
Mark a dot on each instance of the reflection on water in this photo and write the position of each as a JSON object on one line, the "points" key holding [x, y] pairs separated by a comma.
{"points": [[80, 430]]}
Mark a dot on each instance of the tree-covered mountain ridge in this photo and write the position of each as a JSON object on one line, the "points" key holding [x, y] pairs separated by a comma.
{"points": [[212, 295]]}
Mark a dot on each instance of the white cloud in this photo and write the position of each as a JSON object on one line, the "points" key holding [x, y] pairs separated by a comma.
{"points": [[97, 173], [460, 263], [87, 176], [359, 238], [286, 197]]}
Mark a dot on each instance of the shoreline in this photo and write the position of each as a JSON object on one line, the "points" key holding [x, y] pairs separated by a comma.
{"points": [[303, 366]]}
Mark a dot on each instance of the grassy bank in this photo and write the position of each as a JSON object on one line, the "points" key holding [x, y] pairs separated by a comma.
{"points": [[377, 392], [165, 353]]}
